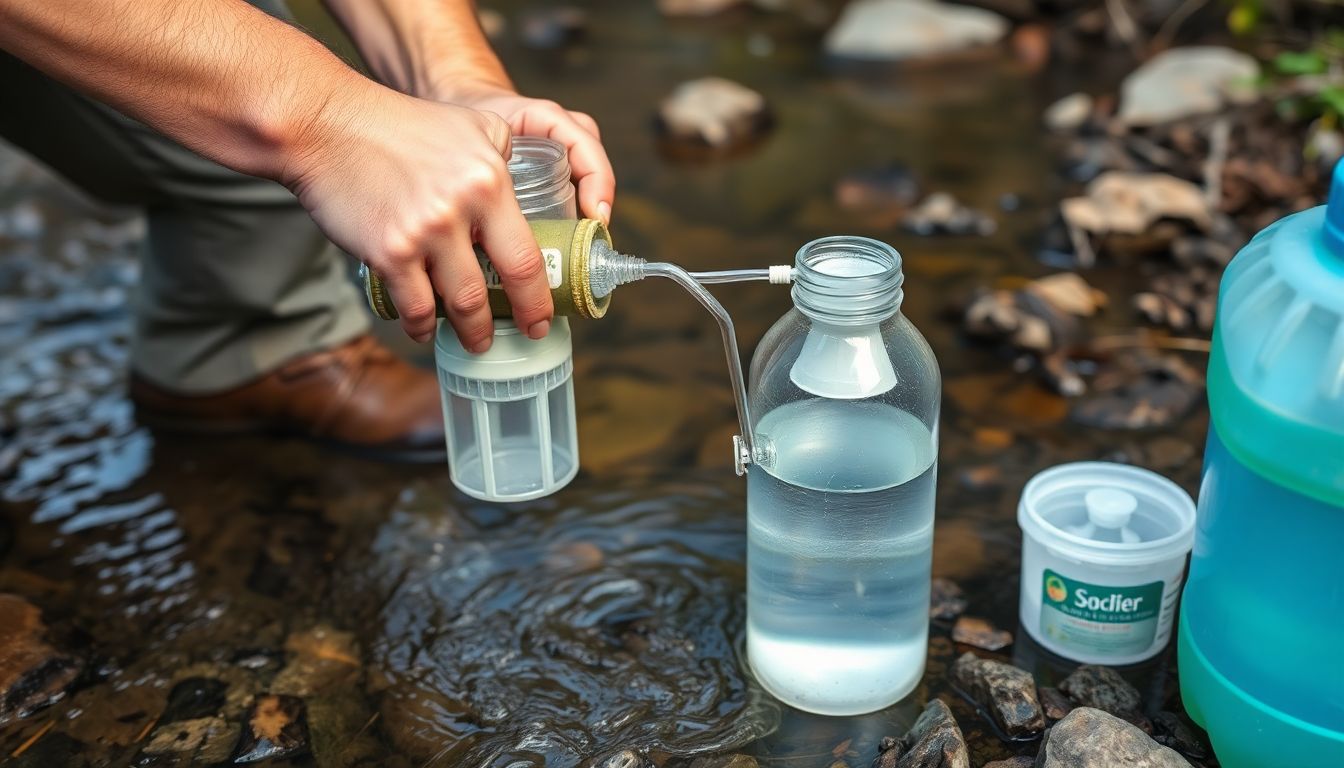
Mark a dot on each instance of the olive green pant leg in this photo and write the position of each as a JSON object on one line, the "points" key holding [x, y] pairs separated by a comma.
{"points": [[236, 278]]}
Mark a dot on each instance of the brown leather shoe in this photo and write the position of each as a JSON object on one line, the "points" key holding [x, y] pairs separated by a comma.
{"points": [[358, 396]]}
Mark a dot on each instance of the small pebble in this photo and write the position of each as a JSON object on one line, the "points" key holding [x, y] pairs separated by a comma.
{"points": [[979, 633]]}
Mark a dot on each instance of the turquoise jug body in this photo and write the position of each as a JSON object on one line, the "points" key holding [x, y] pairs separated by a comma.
{"points": [[1261, 637]]}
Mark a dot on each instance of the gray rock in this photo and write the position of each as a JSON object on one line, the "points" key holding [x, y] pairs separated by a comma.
{"points": [[940, 213], [713, 112], [1101, 688], [1069, 113], [903, 29], [935, 740], [1183, 82], [1012, 762], [1090, 738], [1006, 693]]}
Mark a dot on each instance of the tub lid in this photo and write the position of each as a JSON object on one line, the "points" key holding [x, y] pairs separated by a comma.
{"points": [[1106, 513]]}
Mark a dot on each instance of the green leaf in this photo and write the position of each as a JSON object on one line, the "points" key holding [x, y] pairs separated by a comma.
{"points": [[1300, 63], [1333, 99]]}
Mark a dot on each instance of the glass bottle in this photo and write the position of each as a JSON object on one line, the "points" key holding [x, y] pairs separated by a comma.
{"points": [[844, 402]]}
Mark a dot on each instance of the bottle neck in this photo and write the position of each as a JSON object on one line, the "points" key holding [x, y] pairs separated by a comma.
{"points": [[541, 174], [848, 281]]}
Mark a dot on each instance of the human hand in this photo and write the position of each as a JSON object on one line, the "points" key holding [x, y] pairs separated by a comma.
{"points": [[407, 186], [577, 131]]}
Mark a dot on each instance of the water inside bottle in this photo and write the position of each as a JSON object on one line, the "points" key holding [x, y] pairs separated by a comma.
{"points": [[839, 555]]}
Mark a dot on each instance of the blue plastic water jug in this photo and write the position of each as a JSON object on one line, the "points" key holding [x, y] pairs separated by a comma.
{"points": [[1262, 622]]}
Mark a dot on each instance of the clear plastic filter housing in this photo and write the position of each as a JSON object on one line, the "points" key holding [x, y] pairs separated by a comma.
{"points": [[1103, 557], [844, 402], [509, 413]]}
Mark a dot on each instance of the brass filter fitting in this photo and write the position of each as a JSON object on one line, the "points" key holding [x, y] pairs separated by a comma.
{"points": [[566, 246]]}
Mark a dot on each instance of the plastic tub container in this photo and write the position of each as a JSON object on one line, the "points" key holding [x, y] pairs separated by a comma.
{"points": [[1103, 555]]}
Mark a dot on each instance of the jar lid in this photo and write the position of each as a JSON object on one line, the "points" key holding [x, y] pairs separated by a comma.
{"points": [[1108, 514]]}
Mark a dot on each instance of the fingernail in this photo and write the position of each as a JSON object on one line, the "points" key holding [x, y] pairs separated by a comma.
{"points": [[604, 212], [539, 329], [423, 337], [481, 347]]}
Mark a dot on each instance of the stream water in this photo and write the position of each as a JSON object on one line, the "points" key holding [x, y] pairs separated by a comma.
{"points": [[611, 615]]}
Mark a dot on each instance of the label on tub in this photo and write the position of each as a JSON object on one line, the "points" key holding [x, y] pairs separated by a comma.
{"points": [[1106, 620], [549, 256]]}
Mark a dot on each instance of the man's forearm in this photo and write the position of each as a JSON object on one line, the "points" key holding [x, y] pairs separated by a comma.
{"points": [[421, 47], [219, 76]]}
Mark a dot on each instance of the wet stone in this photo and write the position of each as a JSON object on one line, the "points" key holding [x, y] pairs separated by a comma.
{"points": [[1007, 694], [1069, 113], [276, 726], [553, 27], [1012, 762], [1172, 731], [935, 740], [33, 674], [941, 214], [1054, 703], [626, 758], [1182, 82], [902, 29], [713, 113], [948, 601], [1140, 392], [1068, 292], [193, 698], [1090, 738], [320, 658], [193, 739], [1102, 688], [979, 633]]}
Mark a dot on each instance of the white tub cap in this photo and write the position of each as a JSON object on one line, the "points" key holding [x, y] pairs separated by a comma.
{"points": [[1105, 513]]}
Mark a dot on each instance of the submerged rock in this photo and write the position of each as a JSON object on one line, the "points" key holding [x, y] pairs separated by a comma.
{"points": [[1006, 693], [715, 113], [1069, 113], [276, 726], [320, 658], [33, 674], [935, 740], [1140, 391], [1090, 738], [903, 29], [201, 741], [1186, 81], [193, 698], [977, 632]]}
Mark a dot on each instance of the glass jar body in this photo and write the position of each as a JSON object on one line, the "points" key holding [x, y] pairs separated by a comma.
{"points": [[840, 523]]}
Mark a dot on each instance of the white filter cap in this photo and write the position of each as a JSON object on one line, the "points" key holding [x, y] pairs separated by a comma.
{"points": [[1102, 513], [843, 363]]}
